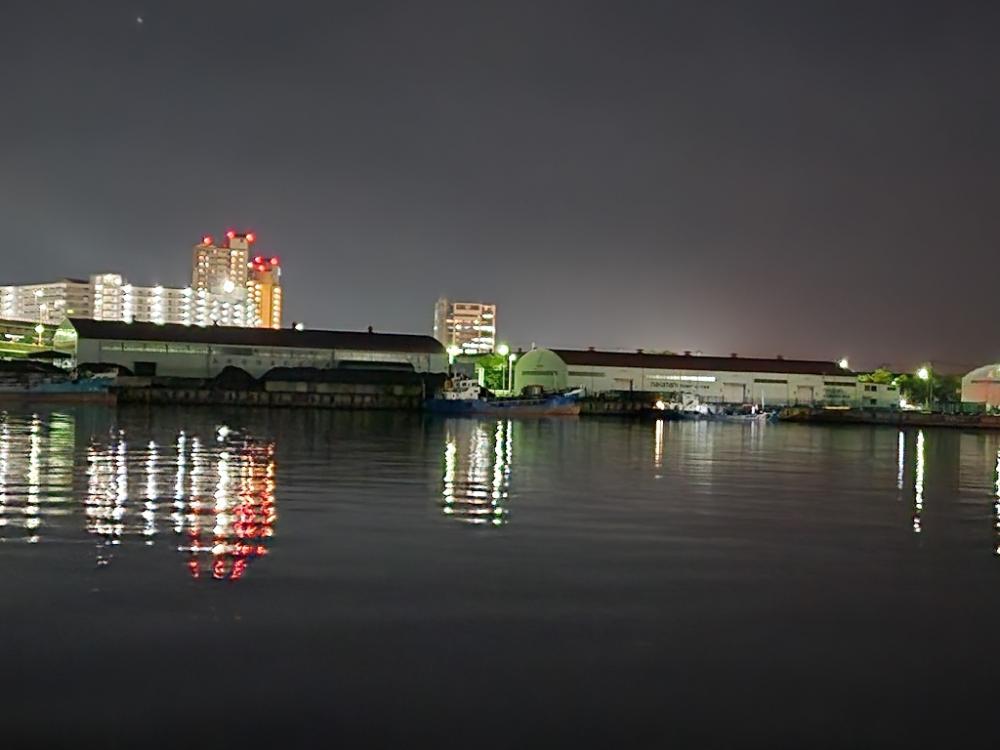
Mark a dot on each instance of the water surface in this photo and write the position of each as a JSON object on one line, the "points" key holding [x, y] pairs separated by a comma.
{"points": [[230, 577]]}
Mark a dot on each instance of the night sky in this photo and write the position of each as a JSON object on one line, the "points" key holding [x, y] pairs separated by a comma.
{"points": [[804, 178]]}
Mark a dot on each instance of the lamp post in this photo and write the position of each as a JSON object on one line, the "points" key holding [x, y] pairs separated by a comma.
{"points": [[503, 350], [511, 358], [924, 373]]}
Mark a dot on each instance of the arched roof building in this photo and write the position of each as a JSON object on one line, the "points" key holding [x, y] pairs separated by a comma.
{"points": [[982, 386]]}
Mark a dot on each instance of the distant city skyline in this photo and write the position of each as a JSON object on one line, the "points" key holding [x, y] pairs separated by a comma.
{"points": [[817, 179]]}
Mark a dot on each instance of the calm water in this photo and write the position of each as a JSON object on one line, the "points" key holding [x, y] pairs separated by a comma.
{"points": [[237, 577]]}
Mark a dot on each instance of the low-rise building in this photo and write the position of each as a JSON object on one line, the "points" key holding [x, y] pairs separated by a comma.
{"points": [[982, 387], [721, 380], [190, 351]]}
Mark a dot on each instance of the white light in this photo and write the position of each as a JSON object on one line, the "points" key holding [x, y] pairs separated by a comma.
{"points": [[300, 326], [661, 405], [923, 373], [689, 378], [843, 364], [228, 286]]}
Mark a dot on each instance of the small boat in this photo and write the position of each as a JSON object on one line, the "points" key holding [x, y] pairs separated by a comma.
{"points": [[463, 396], [63, 388]]}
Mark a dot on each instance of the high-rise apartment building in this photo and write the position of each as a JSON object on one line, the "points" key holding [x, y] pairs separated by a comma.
{"points": [[227, 289], [469, 326], [264, 292], [227, 269], [221, 268]]}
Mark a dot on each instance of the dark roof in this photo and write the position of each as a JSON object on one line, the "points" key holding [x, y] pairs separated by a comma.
{"points": [[356, 340], [697, 362]]}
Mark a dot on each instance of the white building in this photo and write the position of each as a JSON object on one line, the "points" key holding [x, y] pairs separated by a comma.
{"points": [[723, 380], [469, 326], [49, 302], [109, 296], [982, 386], [190, 351]]}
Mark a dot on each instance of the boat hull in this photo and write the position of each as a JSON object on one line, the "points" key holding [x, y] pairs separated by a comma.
{"points": [[65, 392], [555, 406], [35, 397]]}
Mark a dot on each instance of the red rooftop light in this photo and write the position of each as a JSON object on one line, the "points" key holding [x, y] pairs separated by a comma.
{"points": [[250, 237], [231, 234], [206, 240], [274, 260]]}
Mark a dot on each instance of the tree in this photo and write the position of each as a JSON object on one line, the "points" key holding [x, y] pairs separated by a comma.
{"points": [[881, 375], [494, 368], [945, 389]]}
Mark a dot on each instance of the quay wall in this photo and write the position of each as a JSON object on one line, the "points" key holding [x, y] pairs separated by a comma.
{"points": [[892, 418], [403, 398], [401, 391]]}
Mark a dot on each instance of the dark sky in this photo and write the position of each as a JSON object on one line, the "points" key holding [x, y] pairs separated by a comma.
{"points": [[805, 178]]}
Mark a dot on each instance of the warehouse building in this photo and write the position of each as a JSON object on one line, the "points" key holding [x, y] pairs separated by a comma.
{"points": [[189, 351], [982, 386], [720, 380]]}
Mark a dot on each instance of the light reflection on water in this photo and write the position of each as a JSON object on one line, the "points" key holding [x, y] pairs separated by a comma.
{"points": [[477, 467], [608, 561], [918, 483], [210, 493], [220, 514]]}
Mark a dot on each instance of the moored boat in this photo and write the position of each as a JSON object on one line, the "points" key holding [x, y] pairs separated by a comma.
{"points": [[55, 387], [463, 396]]}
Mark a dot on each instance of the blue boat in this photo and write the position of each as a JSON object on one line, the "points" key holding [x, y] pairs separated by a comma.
{"points": [[53, 387], [462, 397]]}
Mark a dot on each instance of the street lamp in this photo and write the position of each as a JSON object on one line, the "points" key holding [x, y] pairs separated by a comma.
{"points": [[843, 364], [39, 329], [453, 351], [924, 373], [503, 350], [510, 371]]}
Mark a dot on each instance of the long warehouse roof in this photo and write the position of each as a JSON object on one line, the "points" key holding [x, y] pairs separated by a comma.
{"points": [[232, 335], [698, 362]]}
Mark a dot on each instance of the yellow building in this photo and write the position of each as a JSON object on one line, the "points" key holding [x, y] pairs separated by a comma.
{"points": [[264, 292]]}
